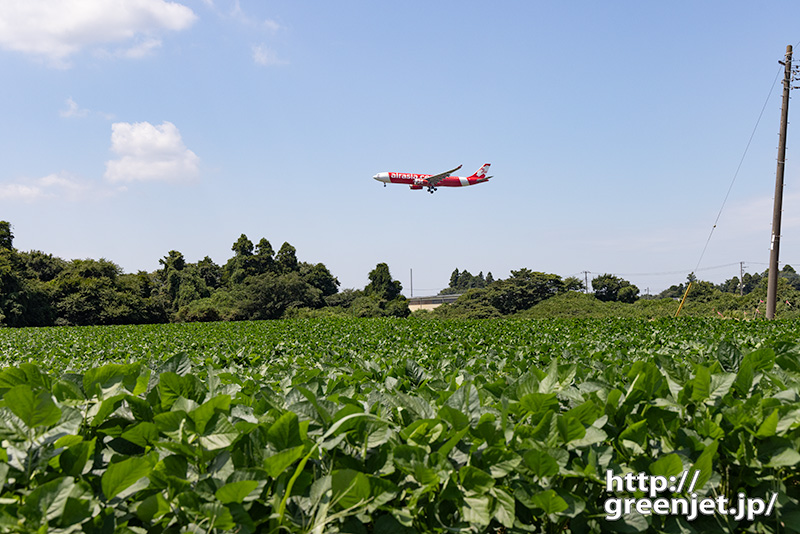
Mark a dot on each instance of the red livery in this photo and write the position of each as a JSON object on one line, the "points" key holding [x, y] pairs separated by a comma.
{"points": [[433, 181]]}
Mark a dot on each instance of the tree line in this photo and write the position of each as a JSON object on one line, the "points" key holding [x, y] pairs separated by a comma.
{"points": [[483, 297], [39, 289]]}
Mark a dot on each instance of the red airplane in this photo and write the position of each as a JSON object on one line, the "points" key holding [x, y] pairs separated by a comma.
{"points": [[433, 181]]}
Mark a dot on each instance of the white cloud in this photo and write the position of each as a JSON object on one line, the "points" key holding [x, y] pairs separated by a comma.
{"points": [[59, 185], [140, 50], [57, 29], [149, 153], [239, 15], [73, 110], [266, 57]]}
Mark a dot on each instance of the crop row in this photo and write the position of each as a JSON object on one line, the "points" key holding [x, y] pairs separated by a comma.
{"points": [[391, 426]]}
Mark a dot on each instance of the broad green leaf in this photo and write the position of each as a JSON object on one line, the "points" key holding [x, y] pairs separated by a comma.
{"points": [[467, 401], [587, 413], [142, 434], [48, 500], [180, 364], [99, 378], [24, 374], [785, 457], [153, 507], [505, 505], [535, 403], [106, 408], [768, 427], [75, 460], [477, 510], [550, 501], [704, 464], [701, 385], [550, 381], [119, 476], [202, 415], [667, 466], [721, 384], [475, 480], [219, 516], [280, 462], [569, 428], [499, 461], [350, 488], [285, 432], [235, 492], [219, 433], [34, 409], [635, 436], [541, 464]]}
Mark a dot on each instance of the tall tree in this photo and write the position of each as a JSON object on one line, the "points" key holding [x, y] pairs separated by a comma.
{"points": [[608, 287], [242, 246], [523, 289], [286, 259], [265, 262], [381, 284], [6, 237]]}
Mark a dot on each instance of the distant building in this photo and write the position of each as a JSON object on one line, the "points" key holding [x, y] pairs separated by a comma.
{"points": [[429, 303]]}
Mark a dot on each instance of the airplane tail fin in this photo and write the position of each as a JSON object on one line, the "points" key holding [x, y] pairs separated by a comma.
{"points": [[481, 173]]}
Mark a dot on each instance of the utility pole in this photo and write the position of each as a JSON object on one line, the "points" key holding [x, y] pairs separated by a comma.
{"points": [[411, 275], [586, 280], [741, 278], [772, 280]]}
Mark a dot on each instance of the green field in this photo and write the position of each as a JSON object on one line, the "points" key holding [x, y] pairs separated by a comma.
{"points": [[348, 425]]}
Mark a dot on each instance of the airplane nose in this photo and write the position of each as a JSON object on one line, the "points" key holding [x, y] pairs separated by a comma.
{"points": [[377, 177]]}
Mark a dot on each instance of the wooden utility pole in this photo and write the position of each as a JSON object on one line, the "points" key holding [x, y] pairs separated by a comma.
{"points": [[741, 278], [772, 280]]}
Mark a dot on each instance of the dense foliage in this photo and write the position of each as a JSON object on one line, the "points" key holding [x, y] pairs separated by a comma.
{"points": [[38, 289], [391, 426]]}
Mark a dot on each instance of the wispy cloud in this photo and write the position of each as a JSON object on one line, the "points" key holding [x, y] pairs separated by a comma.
{"points": [[265, 24], [57, 185], [266, 57], [55, 30], [149, 153], [73, 110]]}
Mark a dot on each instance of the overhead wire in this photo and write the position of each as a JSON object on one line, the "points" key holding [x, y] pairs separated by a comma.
{"points": [[738, 168]]}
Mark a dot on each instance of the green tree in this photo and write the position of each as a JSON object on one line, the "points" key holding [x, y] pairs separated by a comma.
{"points": [[320, 277], [461, 281], [6, 237], [610, 288], [265, 262], [41, 266], [286, 259], [210, 272], [381, 283], [242, 264], [474, 304], [242, 246], [523, 289]]}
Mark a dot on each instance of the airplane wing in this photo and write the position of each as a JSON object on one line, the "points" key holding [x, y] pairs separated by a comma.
{"points": [[436, 178]]}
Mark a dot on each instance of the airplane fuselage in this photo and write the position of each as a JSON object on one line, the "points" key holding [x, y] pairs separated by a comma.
{"points": [[421, 180], [433, 181]]}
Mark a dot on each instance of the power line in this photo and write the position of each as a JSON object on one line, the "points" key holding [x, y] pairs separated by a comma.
{"points": [[730, 187]]}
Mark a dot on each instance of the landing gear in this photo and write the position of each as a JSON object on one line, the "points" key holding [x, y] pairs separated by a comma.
{"points": [[384, 185]]}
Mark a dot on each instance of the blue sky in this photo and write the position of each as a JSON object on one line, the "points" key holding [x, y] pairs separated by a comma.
{"points": [[614, 130]]}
